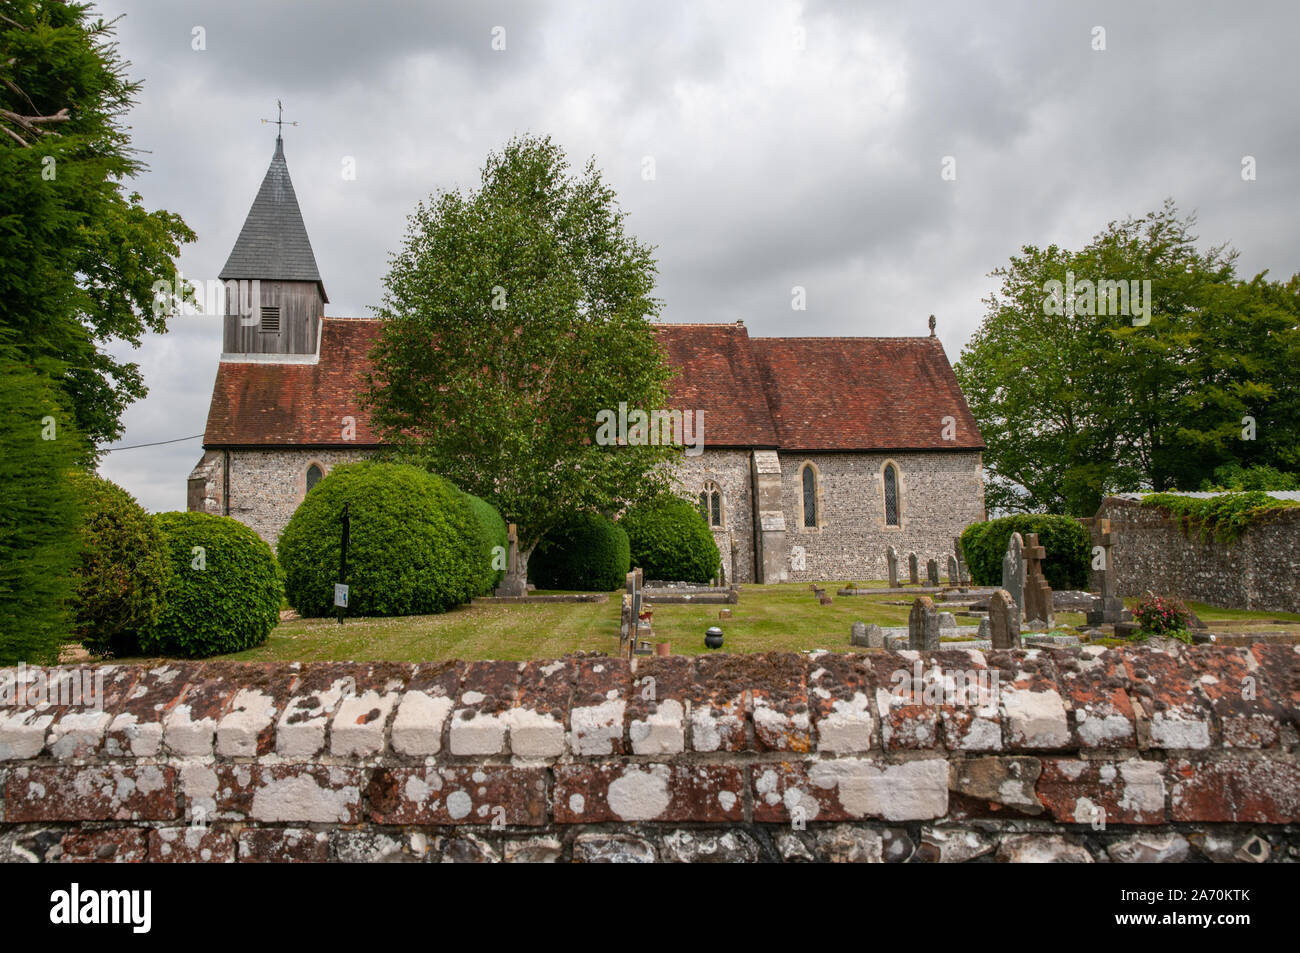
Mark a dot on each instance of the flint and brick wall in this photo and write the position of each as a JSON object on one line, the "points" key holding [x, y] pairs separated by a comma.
{"points": [[1152, 551], [1118, 755]]}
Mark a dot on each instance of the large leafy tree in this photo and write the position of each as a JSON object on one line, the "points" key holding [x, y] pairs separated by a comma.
{"points": [[515, 314], [1076, 402], [78, 254]]}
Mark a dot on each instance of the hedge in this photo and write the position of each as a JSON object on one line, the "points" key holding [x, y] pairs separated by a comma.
{"points": [[415, 546], [586, 552], [122, 571], [492, 533], [224, 591], [669, 540], [1068, 546], [39, 513]]}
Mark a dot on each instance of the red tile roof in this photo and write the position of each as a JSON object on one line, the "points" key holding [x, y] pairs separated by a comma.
{"points": [[827, 394], [863, 394], [287, 405]]}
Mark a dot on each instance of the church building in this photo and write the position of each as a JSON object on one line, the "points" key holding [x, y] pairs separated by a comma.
{"points": [[819, 453]]}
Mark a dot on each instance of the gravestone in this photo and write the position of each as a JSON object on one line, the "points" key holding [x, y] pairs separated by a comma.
{"points": [[985, 633], [963, 575], [875, 636], [932, 572], [954, 576], [1003, 621], [891, 557], [511, 583], [947, 620], [1038, 594], [923, 626], [1109, 607], [1013, 569], [858, 634], [913, 575]]}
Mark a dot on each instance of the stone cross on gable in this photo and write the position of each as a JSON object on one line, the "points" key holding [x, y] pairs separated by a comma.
{"points": [[1038, 594]]}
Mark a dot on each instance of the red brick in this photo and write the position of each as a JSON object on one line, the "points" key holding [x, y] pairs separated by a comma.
{"points": [[1246, 792], [1166, 689], [719, 701], [283, 845], [906, 720], [1111, 792], [122, 845], [288, 792], [778, 701], [595, 793], [91, 793], [191, 845], [144, 707], [1096, 697], [1227, 676], [460, 795]]}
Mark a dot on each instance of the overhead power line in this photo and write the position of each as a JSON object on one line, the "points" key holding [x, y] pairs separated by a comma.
{"points": [[156, 443]]}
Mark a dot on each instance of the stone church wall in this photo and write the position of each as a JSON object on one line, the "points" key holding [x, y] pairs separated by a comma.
{"points": [[730, 470], [940, 494]]}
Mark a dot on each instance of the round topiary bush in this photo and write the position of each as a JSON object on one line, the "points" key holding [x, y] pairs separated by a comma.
{"points": [[414, 545], [224, 591], [492, 533], [586, 552], [670, 540], [1068, 546], [122, 570]]}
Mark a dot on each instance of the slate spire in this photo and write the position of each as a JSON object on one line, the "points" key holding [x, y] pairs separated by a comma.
{"points": [[273, 244]]}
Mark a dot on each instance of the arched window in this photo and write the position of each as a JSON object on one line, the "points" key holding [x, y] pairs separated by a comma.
{"points": [[809, 497], [891, 496], [711, 505], [314, 473]]}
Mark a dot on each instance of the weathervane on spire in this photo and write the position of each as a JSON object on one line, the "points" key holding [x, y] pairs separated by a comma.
{"points": [[279, 120]]}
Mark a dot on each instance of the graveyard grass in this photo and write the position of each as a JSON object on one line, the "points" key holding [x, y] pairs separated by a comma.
{"points": [[774, 617]]}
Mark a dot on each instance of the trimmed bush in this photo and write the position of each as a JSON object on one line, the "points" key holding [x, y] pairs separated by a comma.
{"points": [[670, 540], [1067, 543], [39, 513], [492, 533], [586, 552], [224, 591], [122, 572], [414, 545]]}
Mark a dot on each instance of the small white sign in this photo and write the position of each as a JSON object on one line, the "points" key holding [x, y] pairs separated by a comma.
{"points": [[340, 595]]}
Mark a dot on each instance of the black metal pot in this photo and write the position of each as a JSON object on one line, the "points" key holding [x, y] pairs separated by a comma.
{"points": [[713, 637]]}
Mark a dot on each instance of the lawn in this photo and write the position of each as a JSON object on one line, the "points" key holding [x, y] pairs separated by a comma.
{"points": [[767, 617], [786, 617]]}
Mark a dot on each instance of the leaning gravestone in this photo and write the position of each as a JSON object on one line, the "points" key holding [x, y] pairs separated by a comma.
{"points": [[913, 574], [891, 557], [1038, 594], [923, 626], [954, 575], [1013, 569], [932, 572], [1003, 620]]}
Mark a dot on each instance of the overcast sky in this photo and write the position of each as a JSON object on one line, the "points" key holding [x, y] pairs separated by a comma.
{"points": [[792, 144]]}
